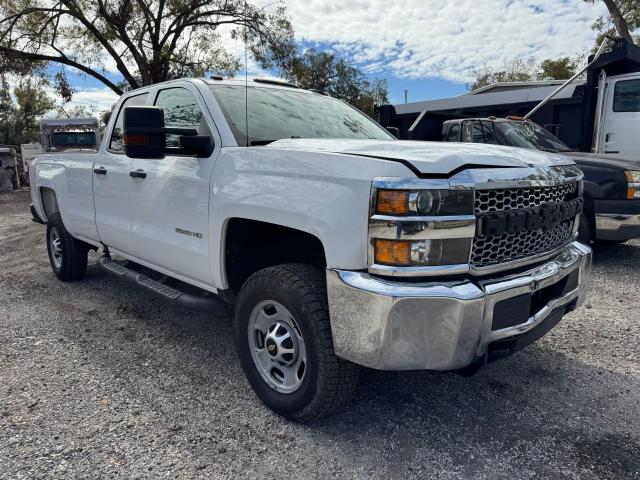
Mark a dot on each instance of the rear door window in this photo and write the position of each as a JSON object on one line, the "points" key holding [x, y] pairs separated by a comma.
{"points": [[181, 110]]}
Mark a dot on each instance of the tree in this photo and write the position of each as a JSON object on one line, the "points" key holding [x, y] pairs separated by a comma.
{"points": [[335, 76], [148, 41], [84, 111], [105, 116], [560, 69], [623, 20], [19, 118], [7, 111], [515, 70]]}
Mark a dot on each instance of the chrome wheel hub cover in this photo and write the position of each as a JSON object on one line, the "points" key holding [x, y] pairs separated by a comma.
{"points": [[55, 243]]}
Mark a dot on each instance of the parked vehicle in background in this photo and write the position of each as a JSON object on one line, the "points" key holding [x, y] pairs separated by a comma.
{"points": [[339, 245], [62, 134], [611, 183], [29, 152], [9, 179], [600, 114]]}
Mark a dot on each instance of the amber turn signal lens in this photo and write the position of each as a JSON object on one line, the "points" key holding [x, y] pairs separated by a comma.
{"points": [[392, 202], [392, 252], [633, 186]]}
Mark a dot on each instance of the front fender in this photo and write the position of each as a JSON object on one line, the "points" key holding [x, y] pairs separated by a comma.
{"points": [[325, 195]]}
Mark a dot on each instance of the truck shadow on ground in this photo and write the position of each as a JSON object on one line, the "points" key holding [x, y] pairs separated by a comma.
{"points": [[618, 255]]}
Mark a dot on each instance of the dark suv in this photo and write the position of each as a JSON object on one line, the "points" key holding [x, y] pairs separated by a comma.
{"points": [[611, 184]]}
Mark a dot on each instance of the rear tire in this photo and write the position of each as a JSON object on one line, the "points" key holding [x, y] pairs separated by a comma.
{"points": [[68, 256], [284, 341]]}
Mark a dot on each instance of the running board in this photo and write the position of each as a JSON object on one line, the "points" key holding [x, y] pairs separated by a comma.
{"points": [[201, 303]]}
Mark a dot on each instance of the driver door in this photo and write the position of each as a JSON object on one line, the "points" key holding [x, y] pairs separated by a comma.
{"points": [[170, 200]]}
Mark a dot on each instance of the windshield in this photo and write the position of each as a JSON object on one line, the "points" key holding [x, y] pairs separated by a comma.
{"points": [[530, 135], [276, 113], [67, 139]]}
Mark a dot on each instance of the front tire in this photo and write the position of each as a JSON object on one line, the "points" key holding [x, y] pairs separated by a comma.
{"points": [[68, 256], [283, 336]]}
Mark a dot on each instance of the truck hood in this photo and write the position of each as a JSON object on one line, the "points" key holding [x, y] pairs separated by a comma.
{"points": [[602, 160], [429, 158]]}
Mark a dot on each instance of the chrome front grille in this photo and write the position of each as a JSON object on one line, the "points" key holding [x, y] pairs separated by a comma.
{"points": [[514, 246], [488, 250], [515, 198]]}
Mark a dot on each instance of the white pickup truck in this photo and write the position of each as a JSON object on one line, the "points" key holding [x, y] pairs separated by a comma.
{"points": [[339, 245]]}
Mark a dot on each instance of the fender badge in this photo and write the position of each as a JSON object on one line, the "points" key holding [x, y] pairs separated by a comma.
{"points": [[189, 233]]}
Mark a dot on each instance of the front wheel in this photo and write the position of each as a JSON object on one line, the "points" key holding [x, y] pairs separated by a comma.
{"points": [[68, 256], [283, 335]]}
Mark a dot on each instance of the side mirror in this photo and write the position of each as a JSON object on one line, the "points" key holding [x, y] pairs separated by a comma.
{"points": [[394, 131], [145, 136]]}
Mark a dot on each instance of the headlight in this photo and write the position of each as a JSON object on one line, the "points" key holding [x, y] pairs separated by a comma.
{"points": [[633, 184], [420, 227], [405, 253], [424, 202]]}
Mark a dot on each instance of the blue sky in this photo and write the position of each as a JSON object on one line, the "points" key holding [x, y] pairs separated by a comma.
{"points": [[429, 47], [422, 89]]}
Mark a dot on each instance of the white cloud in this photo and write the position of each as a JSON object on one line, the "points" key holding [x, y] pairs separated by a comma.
{"points": [[100, 98], [445, 38], [423, 38]]}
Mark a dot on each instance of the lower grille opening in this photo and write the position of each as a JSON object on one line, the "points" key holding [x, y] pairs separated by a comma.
{"points": [[504, 348], [517, 310]]}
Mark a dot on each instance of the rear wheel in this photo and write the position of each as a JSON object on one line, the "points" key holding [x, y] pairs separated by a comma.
{"points": [[283, 335], [68, 256]]}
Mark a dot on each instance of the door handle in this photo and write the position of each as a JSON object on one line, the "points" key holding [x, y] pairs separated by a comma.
{"points": [[100, 171], [138, 174]]}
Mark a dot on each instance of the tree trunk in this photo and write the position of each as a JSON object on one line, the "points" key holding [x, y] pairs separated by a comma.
{"points": [[622, 27]]}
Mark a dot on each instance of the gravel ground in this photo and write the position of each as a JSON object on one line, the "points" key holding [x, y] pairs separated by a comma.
{"points": [[101, 380]]}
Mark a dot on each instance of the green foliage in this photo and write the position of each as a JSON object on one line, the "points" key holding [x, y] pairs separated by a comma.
{"points": [[517, 70], [559, 68], [19, 118], [622, 20], [147, 41], [325, 72]]}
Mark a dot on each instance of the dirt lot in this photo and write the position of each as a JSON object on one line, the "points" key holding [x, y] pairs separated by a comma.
{"points": [[100, 380]]}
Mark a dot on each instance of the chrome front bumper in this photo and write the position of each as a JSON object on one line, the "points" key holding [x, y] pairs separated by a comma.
{"points": [[614, 226], [392, 325]]}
